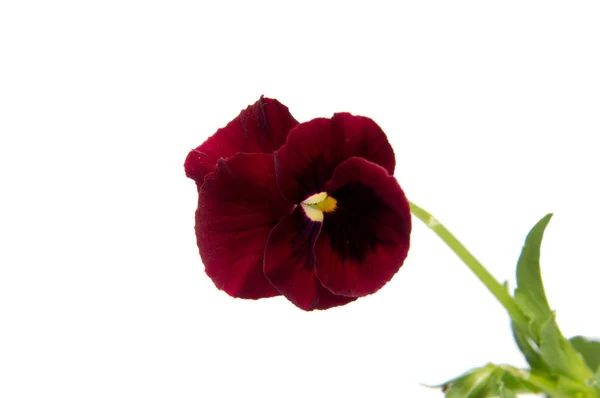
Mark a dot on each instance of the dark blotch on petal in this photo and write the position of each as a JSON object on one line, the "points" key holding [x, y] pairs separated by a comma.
{"points": [[315, 148], [261, 128], [289, 263], [364, 242], [238, 205]]}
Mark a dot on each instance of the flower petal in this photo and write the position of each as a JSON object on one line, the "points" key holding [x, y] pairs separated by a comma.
{"points": [[313, 150], [260, 128], [364, 242], [237, 207], [289, 263]]}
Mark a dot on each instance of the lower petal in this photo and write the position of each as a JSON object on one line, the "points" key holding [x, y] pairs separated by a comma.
{"points": [[289, 263], [238, 205], [364, 242]]}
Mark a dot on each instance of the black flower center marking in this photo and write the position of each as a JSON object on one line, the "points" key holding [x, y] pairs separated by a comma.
{"points": [[354, 228]]}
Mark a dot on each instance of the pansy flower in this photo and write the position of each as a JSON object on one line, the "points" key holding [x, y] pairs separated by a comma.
{"points": [[309, 211]]}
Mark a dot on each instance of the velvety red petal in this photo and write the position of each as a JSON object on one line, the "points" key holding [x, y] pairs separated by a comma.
{"points": [[314, 149], [260, 128], [365, 240], [237, 207], [289, 263]]}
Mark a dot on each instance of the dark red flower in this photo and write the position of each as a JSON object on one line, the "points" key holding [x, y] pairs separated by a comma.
{"points": [[310, 211]]}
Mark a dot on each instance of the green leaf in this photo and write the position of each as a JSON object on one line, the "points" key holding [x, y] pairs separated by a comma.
{"points": [[570, 389], [490, 381], [589, 349], [595, 382], [560, 355], [531, 297], [473, 383], [529, 347], [530, 292], [542, 343], [506, 392]]}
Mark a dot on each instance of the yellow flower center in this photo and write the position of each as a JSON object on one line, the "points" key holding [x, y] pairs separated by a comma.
{"points": [[317, 204]]}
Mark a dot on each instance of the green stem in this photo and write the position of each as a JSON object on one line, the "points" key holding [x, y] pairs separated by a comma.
{"points": [[498, 290]]}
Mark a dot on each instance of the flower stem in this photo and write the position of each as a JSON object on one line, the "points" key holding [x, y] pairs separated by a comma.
{"points": [[498, 290]]}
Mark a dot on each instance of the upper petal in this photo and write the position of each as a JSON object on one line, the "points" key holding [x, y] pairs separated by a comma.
{"points": [[289, 263], [313, 150], [238, 205], [260, 128], [364, 242]]}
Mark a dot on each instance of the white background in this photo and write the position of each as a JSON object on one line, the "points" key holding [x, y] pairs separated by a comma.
{"points": [[492, 109]]}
